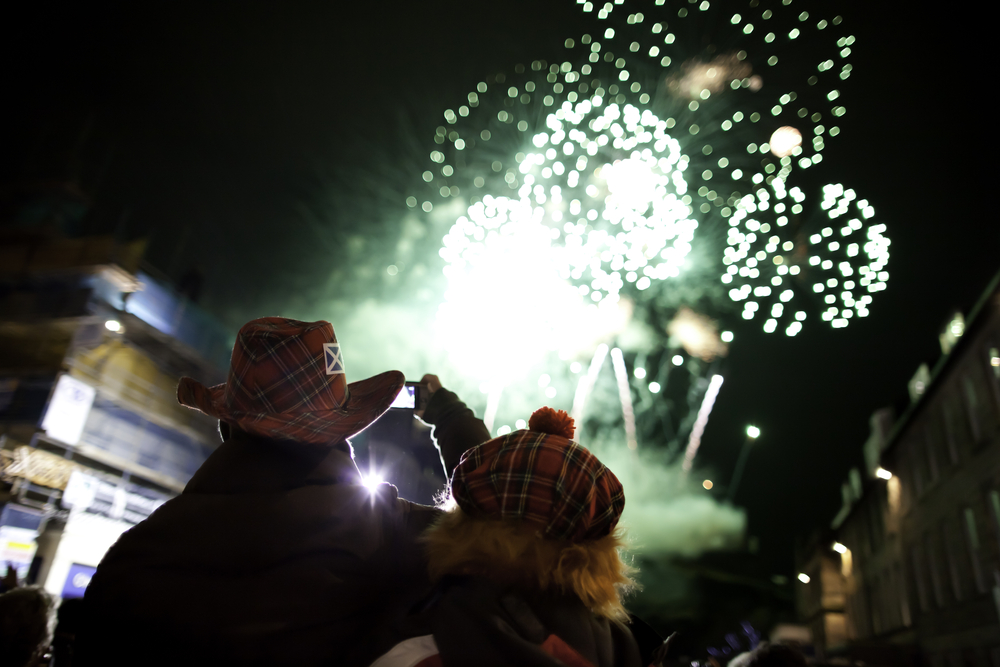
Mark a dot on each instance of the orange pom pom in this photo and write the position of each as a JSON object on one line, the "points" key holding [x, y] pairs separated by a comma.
{"points": [[553, 422]]}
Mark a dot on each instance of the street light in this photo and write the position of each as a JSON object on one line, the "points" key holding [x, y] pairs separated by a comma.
{"points": [[752, 434]]}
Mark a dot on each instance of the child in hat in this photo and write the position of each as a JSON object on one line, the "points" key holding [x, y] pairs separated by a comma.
{"points": [[528, 559]]}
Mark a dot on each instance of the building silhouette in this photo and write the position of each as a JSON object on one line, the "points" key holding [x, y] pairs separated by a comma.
{"points": [[909, 570]]}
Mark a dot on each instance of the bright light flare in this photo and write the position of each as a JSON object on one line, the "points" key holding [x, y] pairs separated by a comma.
{"points": [[113, 326], [784, 141], [882, 473], [804, 578], [707, 484], [753, 432], [502, 260], [600, 202], [371, 481], [839, 548]]}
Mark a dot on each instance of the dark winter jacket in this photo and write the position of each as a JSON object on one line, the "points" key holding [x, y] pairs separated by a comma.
{"points": [[477, 622], [274, 554]]}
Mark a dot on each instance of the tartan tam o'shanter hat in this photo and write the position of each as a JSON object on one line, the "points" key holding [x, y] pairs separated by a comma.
{"points": [[287, 381], [541, 476]]}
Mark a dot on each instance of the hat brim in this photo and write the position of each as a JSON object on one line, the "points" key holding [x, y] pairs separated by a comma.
{"points": [[368, 400]]}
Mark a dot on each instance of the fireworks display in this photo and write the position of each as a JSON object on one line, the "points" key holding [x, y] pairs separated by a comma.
{"points": [[778, 264], [583, 183]]}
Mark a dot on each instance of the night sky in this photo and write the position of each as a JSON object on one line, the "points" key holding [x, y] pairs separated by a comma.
{"points": [[207, 127]]}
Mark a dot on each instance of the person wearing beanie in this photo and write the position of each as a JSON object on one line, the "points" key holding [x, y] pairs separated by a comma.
{"points": [[527, 560], [276, 553]]}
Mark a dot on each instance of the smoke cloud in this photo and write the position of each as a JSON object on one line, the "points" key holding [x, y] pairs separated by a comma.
{"points": [[667, 513]]}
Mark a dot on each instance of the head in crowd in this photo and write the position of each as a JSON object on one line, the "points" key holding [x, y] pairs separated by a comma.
{"points": [[26, 616], [535, 510], [288, 381], [770, 655]]}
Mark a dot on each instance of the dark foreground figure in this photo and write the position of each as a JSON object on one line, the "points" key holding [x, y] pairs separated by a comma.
{"points": [[276, 554], [527, 563]]}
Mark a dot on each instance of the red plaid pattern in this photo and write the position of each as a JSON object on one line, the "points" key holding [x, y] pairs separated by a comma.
{"points": [[544, 479], [278, 386]]}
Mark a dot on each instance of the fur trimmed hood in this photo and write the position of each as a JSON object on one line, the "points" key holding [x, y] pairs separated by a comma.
{"points": [[515, 553]]}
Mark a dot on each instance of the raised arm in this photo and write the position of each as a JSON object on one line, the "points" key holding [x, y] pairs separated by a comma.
{"points": [[456, 427]]}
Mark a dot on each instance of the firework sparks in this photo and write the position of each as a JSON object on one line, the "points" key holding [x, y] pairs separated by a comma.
{"points": [[774, 257], [580, 184]]}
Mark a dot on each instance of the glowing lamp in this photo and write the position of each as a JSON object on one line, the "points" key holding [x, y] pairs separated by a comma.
{"points": [[707, 484], [113, 325], [753, 432], [803, 577], [882, 473], [785, 140], [839, 548]]}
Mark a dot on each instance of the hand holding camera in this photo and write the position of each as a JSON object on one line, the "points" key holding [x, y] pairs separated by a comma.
{"points": [[416, 395]]}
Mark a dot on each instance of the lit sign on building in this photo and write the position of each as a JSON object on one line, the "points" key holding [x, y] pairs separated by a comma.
{"points": [[68, 409], [77, 580]]}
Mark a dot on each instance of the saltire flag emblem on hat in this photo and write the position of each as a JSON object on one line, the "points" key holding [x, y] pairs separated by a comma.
{"points": [[334, 359]]}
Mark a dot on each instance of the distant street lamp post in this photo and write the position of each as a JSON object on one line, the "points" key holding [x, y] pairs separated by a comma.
{"points": [[752, 434]]}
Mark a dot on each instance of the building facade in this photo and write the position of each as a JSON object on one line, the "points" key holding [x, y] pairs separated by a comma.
{"points": [[914, 555], [92, 439]]}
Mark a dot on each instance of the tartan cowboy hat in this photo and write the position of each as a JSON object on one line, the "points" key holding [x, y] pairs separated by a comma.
{"points": [[287, 382], [542, 477]]}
